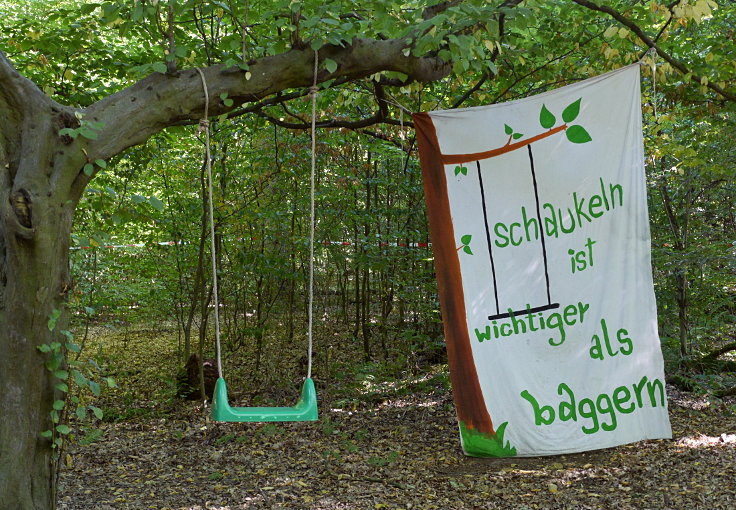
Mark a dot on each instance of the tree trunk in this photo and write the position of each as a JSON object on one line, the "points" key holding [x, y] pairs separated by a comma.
{"points": [[36, 210], [681, 297], [29, 294]]}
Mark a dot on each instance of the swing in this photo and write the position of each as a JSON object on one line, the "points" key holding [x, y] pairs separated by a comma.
{"points": [[306, 407]]}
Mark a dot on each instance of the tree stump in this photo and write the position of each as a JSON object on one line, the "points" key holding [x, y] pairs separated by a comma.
{"points": [[188, 379]]}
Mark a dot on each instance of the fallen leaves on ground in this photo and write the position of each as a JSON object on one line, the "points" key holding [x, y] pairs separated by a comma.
{"points": [[391, 450]]}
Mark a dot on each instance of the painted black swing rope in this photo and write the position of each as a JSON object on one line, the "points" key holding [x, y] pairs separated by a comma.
{"points": [[528, 310]]}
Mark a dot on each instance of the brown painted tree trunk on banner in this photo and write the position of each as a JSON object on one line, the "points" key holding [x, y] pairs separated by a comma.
{"points": [[469, 401]]}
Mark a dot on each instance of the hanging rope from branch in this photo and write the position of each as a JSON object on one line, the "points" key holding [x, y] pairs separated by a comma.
{"points": [[204, 126], [313, 94]]}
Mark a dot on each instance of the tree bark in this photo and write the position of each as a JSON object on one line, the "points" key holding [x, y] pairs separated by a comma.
{"points": [[36, 211]]}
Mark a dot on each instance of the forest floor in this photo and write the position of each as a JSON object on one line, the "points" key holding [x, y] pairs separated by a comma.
{"points": [[382, 441]]}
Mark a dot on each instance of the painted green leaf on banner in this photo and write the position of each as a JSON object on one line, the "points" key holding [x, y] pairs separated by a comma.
{"points": [[546, 119], [577, 134], [516, 136], [570, 113], [465, 240], [508, 129]]}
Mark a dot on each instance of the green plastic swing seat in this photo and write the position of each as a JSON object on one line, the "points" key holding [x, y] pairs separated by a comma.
{"points": [[304, 410]]}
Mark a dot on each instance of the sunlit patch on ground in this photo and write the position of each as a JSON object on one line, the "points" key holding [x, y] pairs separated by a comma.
{"points": [[703, 441]]}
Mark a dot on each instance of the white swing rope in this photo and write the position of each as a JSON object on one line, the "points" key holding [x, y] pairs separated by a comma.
{"points": [[313, 94], [204, 125]]}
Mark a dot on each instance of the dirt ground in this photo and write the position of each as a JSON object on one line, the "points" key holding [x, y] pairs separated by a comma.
{"points": [[396, 447]]}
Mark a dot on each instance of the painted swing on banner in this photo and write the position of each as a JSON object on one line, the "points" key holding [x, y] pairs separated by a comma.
{"points": [[539, 226], [306, 407]]}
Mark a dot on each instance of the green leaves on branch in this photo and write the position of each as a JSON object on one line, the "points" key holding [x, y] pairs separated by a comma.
{"points": [[226, 100], [575, 133], [510, 131], [330, 65], [156, 203], [51, 324], [87, 129], [153, 200], [570, 113], [465, 240], [461, 169], [89, 168], [546, 119], [63, 429]]}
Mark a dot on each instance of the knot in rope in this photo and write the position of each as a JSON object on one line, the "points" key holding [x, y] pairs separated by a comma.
{"points": [[203, 126], [313, 90]]}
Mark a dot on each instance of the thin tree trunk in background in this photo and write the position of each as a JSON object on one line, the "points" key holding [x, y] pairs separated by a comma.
{"points": [[679, 229], [259, 317], [292, 270], [203, 324], [182, 352], [357, 248], [366, 284]]}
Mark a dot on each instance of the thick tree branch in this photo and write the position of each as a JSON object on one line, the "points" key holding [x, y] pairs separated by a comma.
{"points": [[652, 44], [132, 115], [376, 118], [18, 97], [433, 10], [15, 89]]}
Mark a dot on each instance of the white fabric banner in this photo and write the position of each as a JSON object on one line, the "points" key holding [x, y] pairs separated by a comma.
{"points": [[548, 223]]}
